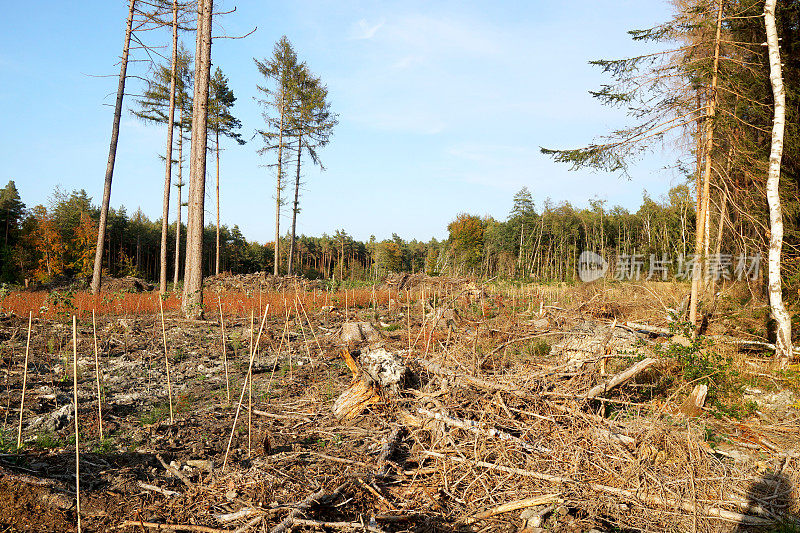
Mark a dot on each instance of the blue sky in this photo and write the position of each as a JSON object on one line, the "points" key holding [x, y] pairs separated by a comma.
{"points": [[442, 106]]}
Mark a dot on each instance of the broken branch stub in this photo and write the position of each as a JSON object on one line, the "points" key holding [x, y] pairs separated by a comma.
{"points": [[379, 373]]}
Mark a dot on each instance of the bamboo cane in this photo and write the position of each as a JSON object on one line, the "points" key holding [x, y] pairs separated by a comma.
{"points": [[75, 400], [97, 377], [249, 382], [224, 350], [24, 380], [166, 361], [244, 387]]}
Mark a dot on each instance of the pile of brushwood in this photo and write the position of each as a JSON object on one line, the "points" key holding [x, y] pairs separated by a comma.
{"points": [[261, 281], [481, 409]]}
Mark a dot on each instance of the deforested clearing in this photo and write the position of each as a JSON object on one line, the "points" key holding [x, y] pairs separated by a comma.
{"points": [[511, 404]]}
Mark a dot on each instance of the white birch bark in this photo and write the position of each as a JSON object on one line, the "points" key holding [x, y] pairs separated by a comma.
{"points": [[783, 342]]}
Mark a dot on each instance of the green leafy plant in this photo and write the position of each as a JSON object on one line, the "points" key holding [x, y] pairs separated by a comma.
{"points": [[157, 413], [62, 303], [7, 442], [699, 362], [48, 441]]}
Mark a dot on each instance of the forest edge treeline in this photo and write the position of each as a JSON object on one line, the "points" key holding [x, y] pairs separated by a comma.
{"points": [[47, 242]]}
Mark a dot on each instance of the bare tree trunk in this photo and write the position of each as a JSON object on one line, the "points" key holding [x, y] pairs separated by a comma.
{"points": [[702, 217], [783, 342], [278, 187], [192, 304], [162, 287], [180, 206], [296, 200], [720, 229], [216, 270], [112, 154]]}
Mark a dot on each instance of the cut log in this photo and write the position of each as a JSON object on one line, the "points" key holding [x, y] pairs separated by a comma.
{"points": [[358, 332]]}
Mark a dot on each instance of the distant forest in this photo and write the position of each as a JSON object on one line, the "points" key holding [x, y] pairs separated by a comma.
{"points": [[542, 242]]}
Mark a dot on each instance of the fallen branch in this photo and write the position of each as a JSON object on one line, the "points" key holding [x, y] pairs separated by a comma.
{"points": [[171, 527], [476, 427], [666, 332], [166, 492], [475, 382], [390, 445], [338, 459], [544, 499], [318, 498], [336, 525], [238, 515], [621, 378], [650, 499], [175, 472]]}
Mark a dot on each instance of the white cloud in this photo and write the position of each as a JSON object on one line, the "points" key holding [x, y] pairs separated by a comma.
{"points": [[363, 30]]}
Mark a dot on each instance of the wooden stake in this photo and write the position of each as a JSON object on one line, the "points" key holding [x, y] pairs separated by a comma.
{"points": [[224, 350], [249, 382], [24, 380], [408, 322], [97, 377], [302, 308], [75, 400], [300, 321], [244, 388], [166, 361]]}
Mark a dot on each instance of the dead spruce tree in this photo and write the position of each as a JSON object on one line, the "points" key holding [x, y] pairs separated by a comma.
{"points": [[168, 90], [280, 72], [312, 123], [674, 96], [112, 153], [221, 122]]}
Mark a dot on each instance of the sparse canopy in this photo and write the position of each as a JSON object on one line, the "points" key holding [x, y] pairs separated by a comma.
{"points": [[154, 104]]}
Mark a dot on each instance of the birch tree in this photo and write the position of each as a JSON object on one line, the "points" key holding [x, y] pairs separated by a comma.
{"points": [[783, 342]]}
